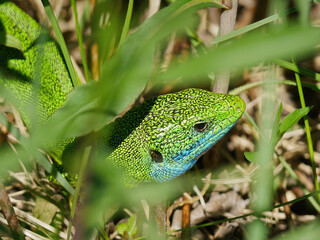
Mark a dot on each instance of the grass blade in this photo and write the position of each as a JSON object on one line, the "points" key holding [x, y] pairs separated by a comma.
{"points": [[61, 41]]}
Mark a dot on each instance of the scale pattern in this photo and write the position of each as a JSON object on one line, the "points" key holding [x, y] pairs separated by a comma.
{"points": [[23, 68]]}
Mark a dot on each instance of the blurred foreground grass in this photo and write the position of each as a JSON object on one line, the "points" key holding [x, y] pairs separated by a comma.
{"points": [[140, 67]]}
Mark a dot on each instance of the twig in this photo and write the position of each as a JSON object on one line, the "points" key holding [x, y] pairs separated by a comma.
{"points": [[227, 23], [9, 214]]}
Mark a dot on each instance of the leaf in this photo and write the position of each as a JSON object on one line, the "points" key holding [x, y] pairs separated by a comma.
{"points": [[275, 129], [131, 67], [122, 228], [251, 156], [132, 226], [292, 119], [44, 162], [257, 47], [44, 210], [82, 113], [9, 41], [277, 132], [278, 117]]}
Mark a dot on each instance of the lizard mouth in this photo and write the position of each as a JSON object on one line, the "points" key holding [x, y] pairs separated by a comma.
{"points": [[242, 106]]}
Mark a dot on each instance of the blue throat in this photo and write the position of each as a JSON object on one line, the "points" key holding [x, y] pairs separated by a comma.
{"points": [[182, 162]]}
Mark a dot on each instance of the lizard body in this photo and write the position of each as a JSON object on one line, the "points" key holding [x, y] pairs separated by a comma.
{"points": [[34, 60], [156, 141]]}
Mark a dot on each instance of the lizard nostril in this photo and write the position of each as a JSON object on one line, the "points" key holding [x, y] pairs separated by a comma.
{"points": [[156, 156]]}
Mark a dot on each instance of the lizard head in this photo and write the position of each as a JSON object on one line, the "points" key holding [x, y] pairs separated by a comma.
{"points": [[182, 126]]}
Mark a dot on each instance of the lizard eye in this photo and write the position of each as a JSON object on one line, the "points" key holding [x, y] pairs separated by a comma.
{"points": [[156, 156], [200, 127]]}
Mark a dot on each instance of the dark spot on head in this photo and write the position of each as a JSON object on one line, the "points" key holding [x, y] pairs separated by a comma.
{"points": [[156, 156], [200, 127]]}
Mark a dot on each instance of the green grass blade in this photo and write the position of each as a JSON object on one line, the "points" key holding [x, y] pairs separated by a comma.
{"points": [[250, 27], [295, 68], [253, 156], [303, 7], [238, 90], [61, 41], [84, 162], [126, 25], [257, 47], [79, 35], [43, 161], [308, 133], [246, 29]]}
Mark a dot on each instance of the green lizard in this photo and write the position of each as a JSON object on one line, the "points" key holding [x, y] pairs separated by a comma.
{"points": [[156, 141]]}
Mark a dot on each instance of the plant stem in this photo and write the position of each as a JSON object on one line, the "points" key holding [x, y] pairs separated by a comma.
{"points": [[79, 35], [83, 166], [61, 41], [126, 26], [308, 133]]}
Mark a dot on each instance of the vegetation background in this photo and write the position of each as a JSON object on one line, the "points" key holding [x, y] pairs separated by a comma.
{"points": [[260, 181]]}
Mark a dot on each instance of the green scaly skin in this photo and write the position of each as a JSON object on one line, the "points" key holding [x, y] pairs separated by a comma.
{"points": [[156, 141], [33, 61], [55, 83]]}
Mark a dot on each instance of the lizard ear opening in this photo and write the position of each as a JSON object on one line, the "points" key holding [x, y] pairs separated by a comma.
{"points": [[200, 127], [156, 156]]}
